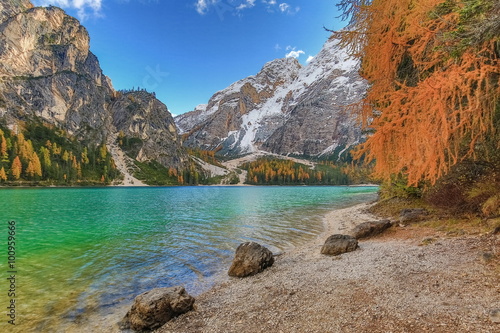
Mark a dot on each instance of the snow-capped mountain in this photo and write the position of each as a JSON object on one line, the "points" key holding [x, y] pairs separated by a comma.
{"points": [[285, 108]]}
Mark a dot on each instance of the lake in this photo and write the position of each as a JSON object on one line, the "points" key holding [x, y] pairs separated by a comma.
{"points": [[84, 253]]}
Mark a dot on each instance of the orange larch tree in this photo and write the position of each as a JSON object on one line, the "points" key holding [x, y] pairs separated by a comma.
{"points": [[432, 101], [16, 168], [3, 175]]}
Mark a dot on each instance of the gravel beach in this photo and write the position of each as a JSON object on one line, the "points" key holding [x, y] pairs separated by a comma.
{"points": [[407, 280]]}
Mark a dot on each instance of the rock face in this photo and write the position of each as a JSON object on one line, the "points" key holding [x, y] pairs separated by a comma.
{"points": [[285, 108], [368, 229], [140, 115], [154, 308], [250, 258], [338, 244], [47, 72], [9, 8]]}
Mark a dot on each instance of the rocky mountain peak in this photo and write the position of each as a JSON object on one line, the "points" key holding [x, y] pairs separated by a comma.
{"points": [[42, 41], [284, 109], [285, 69], [48, 73], [140, 115]]}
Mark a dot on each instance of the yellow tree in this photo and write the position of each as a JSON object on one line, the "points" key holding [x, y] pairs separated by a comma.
{"points": [[16, 168], [3, 175], [3, 148], [34, 166]]}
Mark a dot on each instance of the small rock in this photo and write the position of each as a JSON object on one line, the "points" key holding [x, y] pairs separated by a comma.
{"points": [[496, 230], [154, 308], [487, 257], [338, 244], [250, 258], [410, 215], [368, 229], [495, 316]]}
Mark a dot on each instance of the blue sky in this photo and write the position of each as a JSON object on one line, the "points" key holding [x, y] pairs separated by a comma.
{"points": [[186, 50]]}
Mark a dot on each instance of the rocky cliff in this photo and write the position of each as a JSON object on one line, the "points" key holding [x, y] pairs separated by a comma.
{"points": [[48, 72], [140, 115], [284, 109]]}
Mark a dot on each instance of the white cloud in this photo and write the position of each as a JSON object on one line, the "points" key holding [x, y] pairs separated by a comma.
{"points": [[222, 6], [294, 54], [284, 7], [246, 4], [309, 59], [287, 9], [85, 8], [202, 6]]}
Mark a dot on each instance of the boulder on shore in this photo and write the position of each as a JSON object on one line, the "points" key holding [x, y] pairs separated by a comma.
{"points": [[338, 244], [409, 215], [368, 229], [154, 308], [250, 258]]}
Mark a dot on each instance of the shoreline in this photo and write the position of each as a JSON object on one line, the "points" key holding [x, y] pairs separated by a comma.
{"points": [[391, 283]]}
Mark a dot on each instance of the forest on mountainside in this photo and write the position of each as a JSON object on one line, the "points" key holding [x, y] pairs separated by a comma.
{"points": [[275, 171], [41, 154], [433, 106]]}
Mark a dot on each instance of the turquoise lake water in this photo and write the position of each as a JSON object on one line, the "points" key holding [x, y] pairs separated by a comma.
{"points": [[87, 252]]}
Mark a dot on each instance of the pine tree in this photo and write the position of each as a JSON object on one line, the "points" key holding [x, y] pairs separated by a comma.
{"points": [[85, 158], [45, 153]]}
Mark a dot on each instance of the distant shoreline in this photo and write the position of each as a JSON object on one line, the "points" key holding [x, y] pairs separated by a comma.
{"points": [[200, 185]]}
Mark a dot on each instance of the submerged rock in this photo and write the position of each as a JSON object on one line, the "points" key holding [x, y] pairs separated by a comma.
{"points": [[154, 308], [368, 229], [338, 244], [250, 258]]}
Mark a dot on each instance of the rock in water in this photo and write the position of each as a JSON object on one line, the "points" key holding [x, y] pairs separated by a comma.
{"points": [[368, 229], [250, 258], [338, 244], [154, 308]]}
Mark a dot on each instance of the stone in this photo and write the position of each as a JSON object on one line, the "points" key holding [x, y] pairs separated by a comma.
{"points": [[368, 229], [495, 316], [154, 308], [338, 244], [250, 258], [409, 215]]}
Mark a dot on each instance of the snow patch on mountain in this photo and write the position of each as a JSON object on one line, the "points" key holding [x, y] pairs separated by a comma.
{"points": [[252, 109]]}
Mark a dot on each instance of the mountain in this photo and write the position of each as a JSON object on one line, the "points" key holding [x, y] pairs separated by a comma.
{"points": [[48, 74], [285, 109]]}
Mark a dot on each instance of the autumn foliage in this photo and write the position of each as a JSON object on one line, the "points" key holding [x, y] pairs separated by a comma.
{"points": [[434, 71], [41, 154], [273, 171]]}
